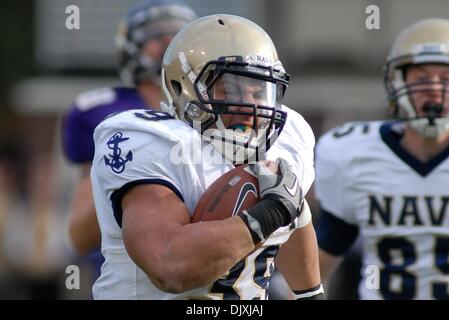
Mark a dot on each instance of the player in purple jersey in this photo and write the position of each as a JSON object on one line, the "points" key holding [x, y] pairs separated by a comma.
{"points": [[89, 109], [141, 41]]}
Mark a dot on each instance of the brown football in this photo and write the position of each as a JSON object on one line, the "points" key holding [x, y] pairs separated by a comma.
{"points": [[233, 192]]}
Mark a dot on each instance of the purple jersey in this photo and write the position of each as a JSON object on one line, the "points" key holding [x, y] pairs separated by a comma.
{"points": [[89, 110]]}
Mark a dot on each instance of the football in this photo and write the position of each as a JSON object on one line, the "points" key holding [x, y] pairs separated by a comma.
{"points": [[233, 192]]}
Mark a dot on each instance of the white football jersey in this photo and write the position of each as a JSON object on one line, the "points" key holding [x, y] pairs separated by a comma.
{"points": [[400, 205], [142, 146]]}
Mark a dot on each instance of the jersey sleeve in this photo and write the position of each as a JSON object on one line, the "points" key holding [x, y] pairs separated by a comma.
{"points": [[305, 217], [296, 145], [336, 226], [331, 181], [335, 235], [127, 155], [77, 140]]}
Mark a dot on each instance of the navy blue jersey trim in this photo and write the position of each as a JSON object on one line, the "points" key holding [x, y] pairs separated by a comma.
{"points": [[393, 140], [335, 235], [117, 195]]}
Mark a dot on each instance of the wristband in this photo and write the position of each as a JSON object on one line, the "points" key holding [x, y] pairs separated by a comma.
{"points": [[315, 293], [264, 218]]}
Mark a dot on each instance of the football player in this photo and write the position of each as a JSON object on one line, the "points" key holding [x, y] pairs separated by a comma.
{"points": [[387, 179], [222, 87], [141, 42]]}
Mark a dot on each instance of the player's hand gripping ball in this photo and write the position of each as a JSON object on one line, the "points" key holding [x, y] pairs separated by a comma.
{"points": [[235, 191]]}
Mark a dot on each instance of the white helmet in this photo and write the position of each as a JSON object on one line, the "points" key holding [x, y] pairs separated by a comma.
{"points": [[230, 51], [425, 42]]}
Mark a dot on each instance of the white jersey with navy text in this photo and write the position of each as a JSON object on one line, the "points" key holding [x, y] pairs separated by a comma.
{"points": [[367, 182]]}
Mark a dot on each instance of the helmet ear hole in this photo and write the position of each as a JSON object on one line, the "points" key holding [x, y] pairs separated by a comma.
{"points": [[177, 88]]}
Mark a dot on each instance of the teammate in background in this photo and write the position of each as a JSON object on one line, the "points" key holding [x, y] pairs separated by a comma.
{"points": [[141, 41], [387, 179], [222, 87]]}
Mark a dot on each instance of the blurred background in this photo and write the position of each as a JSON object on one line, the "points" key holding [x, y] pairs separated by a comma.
{"points": [[334, 60]]}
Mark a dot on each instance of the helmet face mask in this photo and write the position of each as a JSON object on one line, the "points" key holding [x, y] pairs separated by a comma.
{"points": [[423, 100], [230, 91], [241, 89]]}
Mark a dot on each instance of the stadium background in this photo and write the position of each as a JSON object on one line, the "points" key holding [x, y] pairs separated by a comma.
{"points": [[334, 60]]}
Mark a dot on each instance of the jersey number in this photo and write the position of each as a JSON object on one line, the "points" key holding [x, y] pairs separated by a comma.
{"points": [[248, 277], [151, 115], [398, 269], [348, 128]]}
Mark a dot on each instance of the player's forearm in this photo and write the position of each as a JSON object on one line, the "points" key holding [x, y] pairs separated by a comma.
{"points": [[328, 264], [298, 259], [84, 231], [197, 254]]}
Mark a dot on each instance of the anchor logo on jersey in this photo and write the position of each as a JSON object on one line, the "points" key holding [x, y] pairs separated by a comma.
{"points": [[116, 162]]}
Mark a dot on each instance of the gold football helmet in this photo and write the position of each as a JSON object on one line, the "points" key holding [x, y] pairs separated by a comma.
{"points": [[223, 65], [425, 42]]}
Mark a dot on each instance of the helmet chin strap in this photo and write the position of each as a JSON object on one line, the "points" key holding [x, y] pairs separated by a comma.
{"points": [[167, 106], [237, 147], [430, 131], [433, 111], [220, 125], [433, 125]]}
